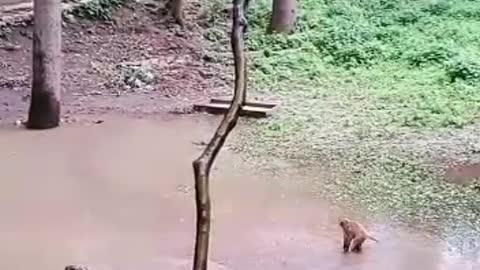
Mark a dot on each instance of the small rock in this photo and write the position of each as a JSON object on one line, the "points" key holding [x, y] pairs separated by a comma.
{"points": [[208, 58], [26, 33], [150, 5], [95, 93], [76, 267], [180, 34], [19, 123], [206, 74], [69, 18], [10, 47], [153, 29]]}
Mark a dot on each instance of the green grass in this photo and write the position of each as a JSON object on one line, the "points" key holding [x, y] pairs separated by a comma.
{"points": [[369, 87], [96, 9], [417, 62]]}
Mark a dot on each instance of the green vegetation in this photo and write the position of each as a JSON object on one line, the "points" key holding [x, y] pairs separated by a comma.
{"points": [[96, 9], [384, 90], [418, 62]]}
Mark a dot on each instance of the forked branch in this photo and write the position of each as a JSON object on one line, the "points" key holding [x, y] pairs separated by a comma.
{"points": [[203, 164]]}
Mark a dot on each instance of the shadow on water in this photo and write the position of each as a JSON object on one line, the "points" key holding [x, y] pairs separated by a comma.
{"points": [[119, 196]]}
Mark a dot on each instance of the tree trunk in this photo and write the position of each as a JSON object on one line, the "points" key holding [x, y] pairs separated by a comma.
{"points": [[284, 15], [203, 164], [176, 9], [44, 110]]}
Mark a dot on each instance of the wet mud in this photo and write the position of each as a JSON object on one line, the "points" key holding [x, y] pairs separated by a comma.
{"points": [[119, 195], [463, 173]]}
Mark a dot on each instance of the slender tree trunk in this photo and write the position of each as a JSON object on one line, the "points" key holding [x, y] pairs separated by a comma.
{"points": [[203, 164], [176, 9], [284, 15], [44, 110]]}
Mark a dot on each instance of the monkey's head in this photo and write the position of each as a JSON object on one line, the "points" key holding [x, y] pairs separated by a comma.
{"points": [[343, 222]]}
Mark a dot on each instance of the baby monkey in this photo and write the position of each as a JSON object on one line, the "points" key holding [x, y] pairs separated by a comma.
{"points": [[354, 234]]}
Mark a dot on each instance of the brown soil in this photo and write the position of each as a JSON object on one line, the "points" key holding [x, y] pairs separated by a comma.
{"points": [[92, 82]]}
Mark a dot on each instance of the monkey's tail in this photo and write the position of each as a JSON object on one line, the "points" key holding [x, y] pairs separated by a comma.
{"points": [[374, 239]]}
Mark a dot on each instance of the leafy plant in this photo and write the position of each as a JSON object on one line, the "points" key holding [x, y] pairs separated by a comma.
{"points": [[96, 9], [430, 55]]}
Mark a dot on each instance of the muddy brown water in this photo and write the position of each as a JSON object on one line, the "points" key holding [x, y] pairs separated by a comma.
{"points": [[463, 173], [119, 196]]}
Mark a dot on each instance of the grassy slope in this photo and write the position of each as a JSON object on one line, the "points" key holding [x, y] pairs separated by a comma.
{"points": [[384, 90]]}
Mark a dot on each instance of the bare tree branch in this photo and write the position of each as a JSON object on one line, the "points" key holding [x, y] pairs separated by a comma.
{"points": [[203, 164]]}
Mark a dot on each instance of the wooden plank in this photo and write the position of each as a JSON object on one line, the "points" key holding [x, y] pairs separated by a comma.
{"points": [[246, 108], [222, 108], [248, 103]]}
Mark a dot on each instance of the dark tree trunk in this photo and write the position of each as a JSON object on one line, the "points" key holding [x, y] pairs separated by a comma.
{"points": [[44, 110], [284, 15]]}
